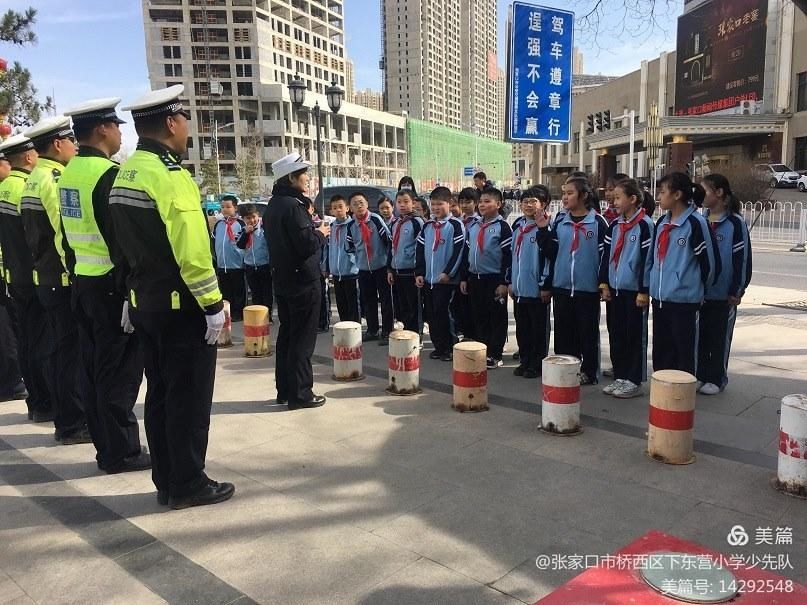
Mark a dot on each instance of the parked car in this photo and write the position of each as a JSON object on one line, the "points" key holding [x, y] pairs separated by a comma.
{"points": [[776, 175], [802, 182], [372, 192]]}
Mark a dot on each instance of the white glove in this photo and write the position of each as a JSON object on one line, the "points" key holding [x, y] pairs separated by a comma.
{"points": [[215, 323], [125, 322]]}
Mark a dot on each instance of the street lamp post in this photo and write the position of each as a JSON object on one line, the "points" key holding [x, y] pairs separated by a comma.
{"points": [[215, 148], [334, 94]]}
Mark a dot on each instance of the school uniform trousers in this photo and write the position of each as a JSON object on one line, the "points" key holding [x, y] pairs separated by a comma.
{"points": [[33, 353], [675, 336], [234, 290], [532, 331], [489, 314], [180, 372], [463, 315], [406, 300], [627, 334], [111, 370], [374, 290], [438, 299], [66, 366], [716, 329], [259, 279], [346, 292], [577, 328]]}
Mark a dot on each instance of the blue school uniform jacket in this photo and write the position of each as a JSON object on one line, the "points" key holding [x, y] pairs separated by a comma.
{"points": [[527, 275], [444, 257], [688, 267], [630, 273], [734, 257], [379, 243], [495, 255], [337, 260], [254, 246], [402, 253], [574, 267], [228, 256]]}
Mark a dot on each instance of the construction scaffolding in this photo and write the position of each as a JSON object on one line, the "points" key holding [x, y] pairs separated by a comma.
{"points": [[440, 155]]}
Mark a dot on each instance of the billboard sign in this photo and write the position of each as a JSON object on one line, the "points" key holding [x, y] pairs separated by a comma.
{"points": [[720, 64], [539, 74]]}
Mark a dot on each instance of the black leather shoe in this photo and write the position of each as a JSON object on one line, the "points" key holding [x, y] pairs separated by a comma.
{"points": [[281, 401], [162, 497], [531, 373], [435, 354], [80, 436], [317, 401], [130, 464], [18, 392], [43, 416], [212, 493], [447, 356]]}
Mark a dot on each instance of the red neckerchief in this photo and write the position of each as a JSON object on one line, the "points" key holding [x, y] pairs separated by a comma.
{"points": [[576, 229], [396, 231], [480, 237], [438, 226], [229, 221], [623, 229], [664, 240], [366, 235], [525, 229]]}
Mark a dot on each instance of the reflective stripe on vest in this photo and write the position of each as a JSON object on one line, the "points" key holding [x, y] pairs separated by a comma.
{"points": [[76, 186]]}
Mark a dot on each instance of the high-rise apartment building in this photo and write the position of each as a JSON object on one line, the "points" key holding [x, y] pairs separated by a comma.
{"points": [[439, 62], [236, 58], [350, 79], [372, 99]]}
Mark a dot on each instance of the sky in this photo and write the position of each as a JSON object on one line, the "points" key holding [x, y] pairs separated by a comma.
{"points": [[96, 48]]}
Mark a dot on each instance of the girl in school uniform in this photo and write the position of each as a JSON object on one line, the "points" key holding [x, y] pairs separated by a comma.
{"points": [[624, 289], [574, 246], [719, 310], [681, 267]]}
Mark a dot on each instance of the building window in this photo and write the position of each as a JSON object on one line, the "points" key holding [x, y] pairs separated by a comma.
{"points": [[172, 52], [243, 52], [169, 34], [801, 95], [243, 71], [800, 159], [241, 34], [245, 89], [577, 142], [172, 70]]}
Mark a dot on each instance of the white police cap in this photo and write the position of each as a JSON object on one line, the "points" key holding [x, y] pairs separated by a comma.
{"points": [[48, 129], [16, 144], [95, 111], [164, 101]]}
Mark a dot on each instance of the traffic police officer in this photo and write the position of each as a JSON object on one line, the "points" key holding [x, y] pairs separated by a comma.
{"points": [[18, 273], [174, 300], [54, 142], [111, 362]]}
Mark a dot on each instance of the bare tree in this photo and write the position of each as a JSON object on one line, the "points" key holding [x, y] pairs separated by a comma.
{"points": [[209, 175], [623, 20], [248, 165], [746, 183]]}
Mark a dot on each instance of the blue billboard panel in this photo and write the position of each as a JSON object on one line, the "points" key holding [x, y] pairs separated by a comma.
{"points": [[539, 78]]}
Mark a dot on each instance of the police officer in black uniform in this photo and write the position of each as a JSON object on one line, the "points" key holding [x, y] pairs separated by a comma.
{"points": [[294, 254]]}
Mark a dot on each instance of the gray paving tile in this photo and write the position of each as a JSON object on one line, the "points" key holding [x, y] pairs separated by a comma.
{"points": [[10, 590]]}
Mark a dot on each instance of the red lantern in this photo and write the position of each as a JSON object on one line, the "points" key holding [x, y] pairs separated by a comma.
{"points": [[5, 130], [3, 64]]}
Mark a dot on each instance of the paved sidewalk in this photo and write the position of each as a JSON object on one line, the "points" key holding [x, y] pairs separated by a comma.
{"points": [[379, 499]]}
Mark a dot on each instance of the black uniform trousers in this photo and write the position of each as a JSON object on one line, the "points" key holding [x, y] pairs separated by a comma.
{"points": [[233, 290], [347, 298], [627, 336], [260, 284], [438, 304], [716, 329], [463, 316], [374, 289], [298, 312], [489, 314], [675, 336], [577, 328], [112, 370], [180, 374], [10, 377], [532, 331], [33, 352], [63, 348], [406, 299]]}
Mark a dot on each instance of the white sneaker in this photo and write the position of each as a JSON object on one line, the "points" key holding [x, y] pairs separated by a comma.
{"points": [[609, 390], [709, 389], [626, 390]]}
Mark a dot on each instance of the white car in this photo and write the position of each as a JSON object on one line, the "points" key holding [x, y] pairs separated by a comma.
{"points": [[777, 175], [802, 183]]}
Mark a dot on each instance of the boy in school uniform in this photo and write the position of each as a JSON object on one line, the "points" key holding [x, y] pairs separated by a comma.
{"points": [[468, 199], [440, 249], [369, 238], [229, 258], [401, 262], [252, 241], [340, 264], [486, 274]]}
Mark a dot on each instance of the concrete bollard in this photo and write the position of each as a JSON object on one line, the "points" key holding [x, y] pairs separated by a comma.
{"points": [[226, 336], [470, 377], [347, 351], [257, 339], [791, 476], [404, 363], [672, 417], [560, 395]]}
